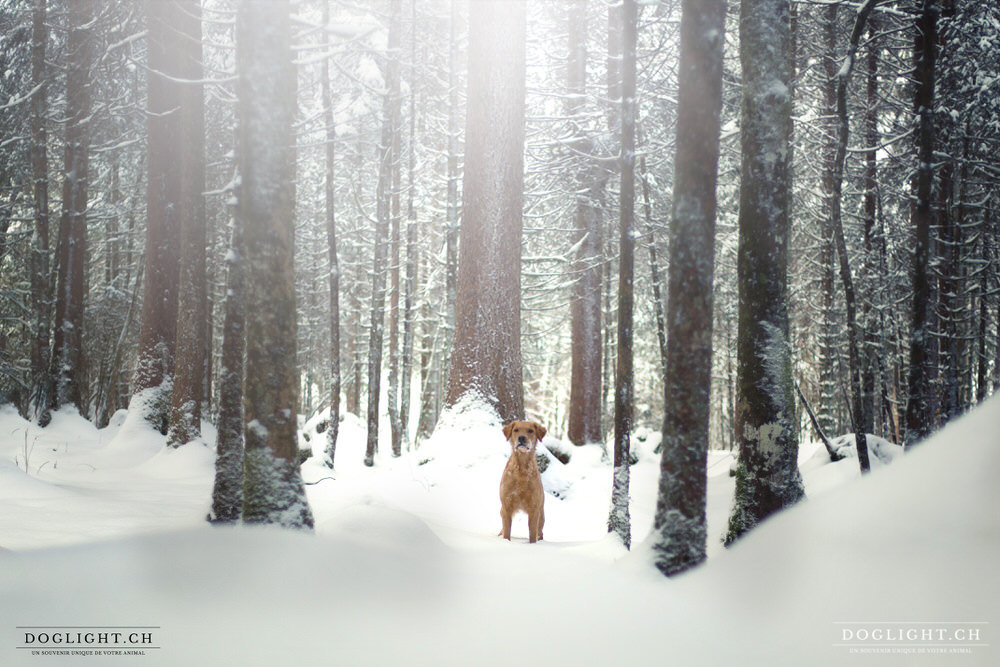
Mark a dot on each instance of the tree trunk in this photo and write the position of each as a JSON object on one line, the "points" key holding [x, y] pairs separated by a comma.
{"points": [[395, 100], [192, 301], [385, 217], [68, 357], [41, 288], [266, 104], [486, 357], [410, 278], [158, 328], [453, 210], [585, 309], [679, 526], [331, 234], [767, 476], [619, 521], [227, 494], [918, 405], [860, 409]]}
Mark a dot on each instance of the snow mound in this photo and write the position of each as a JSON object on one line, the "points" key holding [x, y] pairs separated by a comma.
{"points": [[880, 451]]}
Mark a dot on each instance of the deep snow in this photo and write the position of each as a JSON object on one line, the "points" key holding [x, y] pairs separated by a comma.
{"points": [[107, 529]]}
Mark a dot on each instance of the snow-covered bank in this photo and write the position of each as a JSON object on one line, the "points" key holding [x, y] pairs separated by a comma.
{"points": [[406, 568]]}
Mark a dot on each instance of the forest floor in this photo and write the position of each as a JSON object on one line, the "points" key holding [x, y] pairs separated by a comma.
{"points": [[107, 528]]}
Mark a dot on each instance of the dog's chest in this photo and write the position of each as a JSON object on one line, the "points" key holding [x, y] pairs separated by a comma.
{"points": [[520, 487]]}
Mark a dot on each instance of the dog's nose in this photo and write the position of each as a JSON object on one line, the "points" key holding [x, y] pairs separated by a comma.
{"points": [[521, 440]]}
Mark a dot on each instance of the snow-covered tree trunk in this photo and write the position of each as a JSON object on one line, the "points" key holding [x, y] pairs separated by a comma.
{"points": [[68, 358], [679, 526], [486, 354], [619, 521], [192, 300], [767, 476], [41, 287], [919, 416], [273, 489], [394, 98], [410, 278], [227, 494], [331, 235], [860, 409], [384, 213]]}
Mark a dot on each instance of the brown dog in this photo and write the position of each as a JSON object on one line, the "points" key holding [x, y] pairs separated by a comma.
{"points": [[521, 484]]}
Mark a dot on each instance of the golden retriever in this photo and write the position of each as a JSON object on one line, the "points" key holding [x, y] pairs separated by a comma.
{"points": [[521, 484]]}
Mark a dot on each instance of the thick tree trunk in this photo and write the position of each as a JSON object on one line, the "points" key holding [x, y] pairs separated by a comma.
{"points": [[42, 389], [679, 526], [585, 307], [619, 520], [192, 302], [68, 358], [486, 357], [158, 328], [767, 476], [273, 489], [919, 414]]}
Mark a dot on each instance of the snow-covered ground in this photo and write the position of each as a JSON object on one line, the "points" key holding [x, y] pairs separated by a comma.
{"points": [[106, 528]]}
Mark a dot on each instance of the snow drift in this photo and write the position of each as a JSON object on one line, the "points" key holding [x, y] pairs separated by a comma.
{"points": [[398, 574]]}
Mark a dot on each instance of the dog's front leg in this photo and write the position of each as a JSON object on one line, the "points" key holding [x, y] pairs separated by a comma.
{"points": [[534, 527], [506, 519]]}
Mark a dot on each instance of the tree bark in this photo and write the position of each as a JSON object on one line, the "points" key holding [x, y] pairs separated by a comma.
{"points": [[486, 355], [273, 489], [585, 308], [767, 476], [679, 525], [227, 493]]}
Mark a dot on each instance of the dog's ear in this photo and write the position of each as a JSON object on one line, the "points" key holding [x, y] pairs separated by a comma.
{"points": [[507, 430], [541, 430]]}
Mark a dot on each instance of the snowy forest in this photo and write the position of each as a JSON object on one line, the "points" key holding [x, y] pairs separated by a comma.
{"points": [[283, 258]]}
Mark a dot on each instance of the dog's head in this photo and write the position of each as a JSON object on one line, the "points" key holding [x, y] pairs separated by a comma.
{"points": [[523, 436]]}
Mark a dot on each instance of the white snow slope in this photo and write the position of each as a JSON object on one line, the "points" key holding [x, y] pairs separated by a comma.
{"points": [[405, 567]]}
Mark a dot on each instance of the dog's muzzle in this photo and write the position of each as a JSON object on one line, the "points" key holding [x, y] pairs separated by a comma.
{"points": [[522, 443]]}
